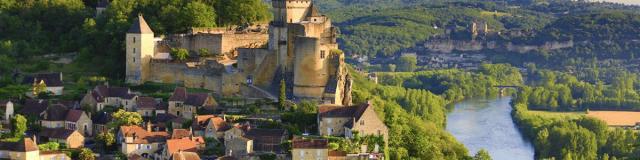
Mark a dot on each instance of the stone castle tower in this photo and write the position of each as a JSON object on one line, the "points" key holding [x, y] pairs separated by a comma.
{"points": [[140, 49]]}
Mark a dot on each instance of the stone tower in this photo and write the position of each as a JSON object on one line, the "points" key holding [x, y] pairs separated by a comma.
{"points": [[284, 13], [140, 50]]}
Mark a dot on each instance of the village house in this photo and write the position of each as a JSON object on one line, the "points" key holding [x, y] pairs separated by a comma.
{"points": [[103, 95], [54, 116], [136, 140], [209, 126], [149, 106], [80, 121], [185, 105], [6, 107], [242, 140], [309, 149], [336, 120], [25, 149], [187, 134], [52, 81], [68, 137]]}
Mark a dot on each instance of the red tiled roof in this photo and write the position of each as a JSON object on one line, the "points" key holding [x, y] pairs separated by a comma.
{"points": [[180, 133], [143, 136], [175, 145], [185, 156], [24, 145]]}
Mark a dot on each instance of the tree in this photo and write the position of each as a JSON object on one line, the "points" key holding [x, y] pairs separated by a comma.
{"points": [[39, 87], [198, 14], [204, 52], [482, 155], [407, 63], [238, 12], [125, 118], [49, 146], [106, 138], [179, 54], [86, 154], [19, 124], [283, 94]]}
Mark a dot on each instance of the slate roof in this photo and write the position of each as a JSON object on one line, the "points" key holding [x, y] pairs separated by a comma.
{"points": [[313, 11], [194, 99], [24, 145], [57, 133], [332, 84], [304, 143], [34, 107], [74, 115], [267, 140], [56, 112], [140, 26], [99, 93], [50, 79], [147, 103], [102, 4], [343, 111]]}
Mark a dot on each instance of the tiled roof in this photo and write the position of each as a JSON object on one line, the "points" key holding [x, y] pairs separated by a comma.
{"points": [[24, 145], [34, 107], [180, 133], [200, 122], [176, 145], [336, 111], [185, 156], [50, 79], [74, 115], [103, 91], [303, 143], [56, 112], [194, 99], [267, 140], [58, 133], [140, 26], [147, 103], [143, 136]]}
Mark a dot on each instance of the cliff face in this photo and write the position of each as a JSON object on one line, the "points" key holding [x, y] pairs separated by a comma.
{"points": [[448, 46]]}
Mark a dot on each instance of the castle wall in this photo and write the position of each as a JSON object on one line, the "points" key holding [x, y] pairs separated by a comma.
{"points": [[139, 50], [310, 69], [220, 42], [196, 77], [297, 10]]}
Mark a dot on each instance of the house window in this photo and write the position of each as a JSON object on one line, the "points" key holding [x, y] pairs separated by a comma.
{"points": [[362, 123], [322, 54], [148, 146]]}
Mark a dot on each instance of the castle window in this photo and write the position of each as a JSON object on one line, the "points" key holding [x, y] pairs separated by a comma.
{"points": [[134, 39], [134, 59], [134, 50], [322, 54]]}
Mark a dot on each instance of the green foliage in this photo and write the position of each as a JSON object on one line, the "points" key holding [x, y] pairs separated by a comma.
{"points": [[86, 154], [482, 155], [124, 118], [239, 12], [14, 91], [407, 63], [106, 138], [49, 146], [204, 52], [18, 125], [179, 54]]}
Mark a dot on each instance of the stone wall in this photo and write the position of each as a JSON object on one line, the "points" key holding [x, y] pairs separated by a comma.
{"points": [[219, 42], [311, 72], [139, 51], [211, 76]]}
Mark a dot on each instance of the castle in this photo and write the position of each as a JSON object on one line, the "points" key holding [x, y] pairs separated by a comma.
{"points": [[299, 48]]}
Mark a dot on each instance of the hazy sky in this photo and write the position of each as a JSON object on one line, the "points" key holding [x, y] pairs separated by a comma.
{"points": [[634, 2]]}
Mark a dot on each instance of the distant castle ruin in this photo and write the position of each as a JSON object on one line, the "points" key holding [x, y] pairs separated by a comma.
{"points": [[300, 47]]}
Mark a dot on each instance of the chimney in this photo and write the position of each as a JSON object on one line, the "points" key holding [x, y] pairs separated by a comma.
{"points": [[148, 126], [34, 139]]}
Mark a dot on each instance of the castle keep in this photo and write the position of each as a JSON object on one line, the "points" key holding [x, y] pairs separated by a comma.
{"points": [[300, 47]]}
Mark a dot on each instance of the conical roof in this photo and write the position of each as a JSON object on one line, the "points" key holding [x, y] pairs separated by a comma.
{"points": [[313, 11], [140, 26]]}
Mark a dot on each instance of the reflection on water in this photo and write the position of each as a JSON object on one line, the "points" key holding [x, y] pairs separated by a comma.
{"points": [[486, 123]]}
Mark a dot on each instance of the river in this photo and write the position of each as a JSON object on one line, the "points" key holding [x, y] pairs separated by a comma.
{"points": [[487, 123]]}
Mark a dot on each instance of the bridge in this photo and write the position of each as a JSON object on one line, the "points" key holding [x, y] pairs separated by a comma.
{"points": [[504, 87]]}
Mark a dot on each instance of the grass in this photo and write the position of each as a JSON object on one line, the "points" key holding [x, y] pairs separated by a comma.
{"points": [[557, 115], [497, 14]]}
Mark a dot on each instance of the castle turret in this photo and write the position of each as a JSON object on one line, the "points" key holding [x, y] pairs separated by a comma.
{"points": [[284, 12], [140, 50]]}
